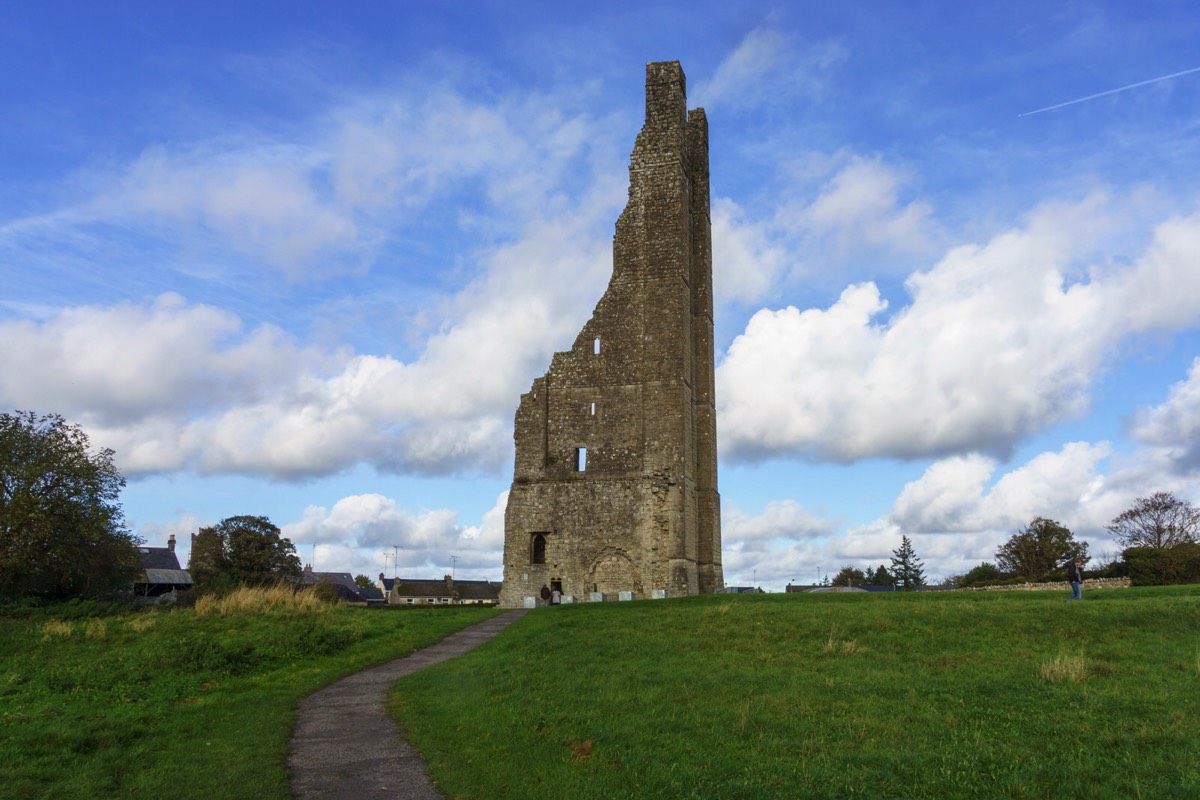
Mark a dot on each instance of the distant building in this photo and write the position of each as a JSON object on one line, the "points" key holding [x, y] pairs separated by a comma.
{"points": [[343, 583], [446, 592], [161, 573]]}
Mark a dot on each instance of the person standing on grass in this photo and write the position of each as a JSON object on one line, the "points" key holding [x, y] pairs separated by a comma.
{"points": [[1075, 576]]}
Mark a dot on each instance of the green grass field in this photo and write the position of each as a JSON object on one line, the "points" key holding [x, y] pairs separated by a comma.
{"points": [[770, 696], [940, 695], [179, 704]]}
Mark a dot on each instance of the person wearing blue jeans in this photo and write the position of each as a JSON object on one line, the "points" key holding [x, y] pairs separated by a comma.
{"points": [[1075, 576]]}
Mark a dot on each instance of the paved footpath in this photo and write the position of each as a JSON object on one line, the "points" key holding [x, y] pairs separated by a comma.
{"points": [[345, 745]]}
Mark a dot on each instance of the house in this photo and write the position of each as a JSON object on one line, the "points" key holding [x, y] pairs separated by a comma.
{"points": [[446, 592], [342, 582], [161, 573]]}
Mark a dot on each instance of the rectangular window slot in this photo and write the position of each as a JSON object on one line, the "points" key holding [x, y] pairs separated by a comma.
{"points": [[592, 410], [580, 459], [596, 346]]}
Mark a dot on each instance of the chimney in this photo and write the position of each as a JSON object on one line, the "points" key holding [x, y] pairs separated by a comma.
{"points": [[171, 543], [449, 581]]}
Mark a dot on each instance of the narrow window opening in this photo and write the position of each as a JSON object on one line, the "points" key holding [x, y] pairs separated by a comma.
{"points": [[581, 459], [596, 346], [592, 410], [537, 554]]}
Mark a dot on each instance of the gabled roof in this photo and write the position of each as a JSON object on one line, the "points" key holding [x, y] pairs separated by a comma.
{"points": [[310, 578], [173, 577], [463, 590], [406, 587], [477, 590], [158, 558], [370, 593]]}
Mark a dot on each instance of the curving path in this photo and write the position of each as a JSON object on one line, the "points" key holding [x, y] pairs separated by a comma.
{"points": [[345, 746]]}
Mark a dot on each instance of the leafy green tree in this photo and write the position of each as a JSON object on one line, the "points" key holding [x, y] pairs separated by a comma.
{"points": [[243, 550], [907, 569], [62, 530], [1160, 521], [363, 582], [850, 576], [1040, 551], [981, 575], [881, 577]]}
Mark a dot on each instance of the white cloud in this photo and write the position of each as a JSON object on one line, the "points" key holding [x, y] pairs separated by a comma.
{"points": [[358, 530], [860, 206], [999, 341], [954, 496], [766, 65], [747, 256], [172, 385], [1173, 428], [780, 520]]}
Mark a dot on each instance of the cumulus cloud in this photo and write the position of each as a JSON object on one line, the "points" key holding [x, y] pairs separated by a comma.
{"points": [[956, 495], [748, 257], [361, 529], [999, 341], [176, 385], [861, 206], [1172, 429], [780, 520]]}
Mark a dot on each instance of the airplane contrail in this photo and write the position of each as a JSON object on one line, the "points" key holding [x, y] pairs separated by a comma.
{"points": [[1112, 91]]}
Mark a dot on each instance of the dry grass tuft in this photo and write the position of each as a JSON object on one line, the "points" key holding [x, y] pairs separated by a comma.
{"points": [[1065, 669], [581, 751], [96, 629], [844, 647], [59, 628], [143, 623], [257, 600]]}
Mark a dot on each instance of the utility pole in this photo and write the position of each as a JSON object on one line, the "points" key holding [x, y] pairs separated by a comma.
{"points": [[395, 561]]}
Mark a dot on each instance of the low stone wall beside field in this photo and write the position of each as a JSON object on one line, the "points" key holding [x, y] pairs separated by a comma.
{"points": [[1057, 586]]}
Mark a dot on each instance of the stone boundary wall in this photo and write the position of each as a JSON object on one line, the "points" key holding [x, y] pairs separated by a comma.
{"points": [[1058, 586]]}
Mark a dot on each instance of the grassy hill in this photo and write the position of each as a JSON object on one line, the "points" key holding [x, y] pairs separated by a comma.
{"points": [[1003, 694], [96, 702]]}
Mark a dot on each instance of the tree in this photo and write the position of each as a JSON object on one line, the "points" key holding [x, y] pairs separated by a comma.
{"points": [[1159, 521], [62, 531], [881, 577], [981, 575], [363, 582], [850, 576], [1040, 550], [907, 569], [242, 550]]}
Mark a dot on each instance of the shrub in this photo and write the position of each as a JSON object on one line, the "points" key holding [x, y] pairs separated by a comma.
{"points": [[1151, 566]]}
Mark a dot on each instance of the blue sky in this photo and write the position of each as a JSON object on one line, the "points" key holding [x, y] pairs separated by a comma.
{"points": [[301, 259]]}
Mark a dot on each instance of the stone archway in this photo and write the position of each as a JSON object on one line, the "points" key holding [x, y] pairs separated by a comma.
{"points": [[613, 571]]}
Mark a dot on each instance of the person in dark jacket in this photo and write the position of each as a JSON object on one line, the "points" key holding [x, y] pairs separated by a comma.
{"points": [[1075, 576]]}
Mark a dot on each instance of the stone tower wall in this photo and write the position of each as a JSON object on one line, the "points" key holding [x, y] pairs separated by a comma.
{"points": [[635, 391]]}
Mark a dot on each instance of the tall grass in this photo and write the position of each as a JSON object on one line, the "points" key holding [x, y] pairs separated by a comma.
{"points": [[190, 703], [247, 600], [949, 695]]}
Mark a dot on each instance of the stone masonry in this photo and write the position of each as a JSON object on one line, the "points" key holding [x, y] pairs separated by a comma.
{"points": [[615, 482]]}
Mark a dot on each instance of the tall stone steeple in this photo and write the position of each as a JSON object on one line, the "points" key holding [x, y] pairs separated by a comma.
{"points": [[615, 482]]}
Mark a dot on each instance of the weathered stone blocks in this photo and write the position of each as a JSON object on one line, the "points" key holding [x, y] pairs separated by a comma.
{"points": [[615, 478]]}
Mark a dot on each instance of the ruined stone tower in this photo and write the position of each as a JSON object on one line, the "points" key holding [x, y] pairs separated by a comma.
{"points": [[615, 483]]}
